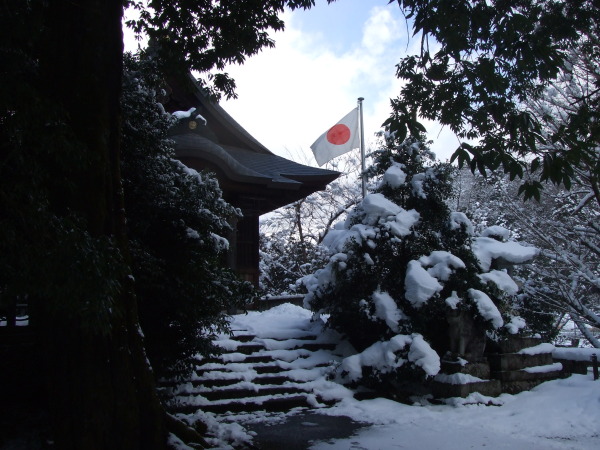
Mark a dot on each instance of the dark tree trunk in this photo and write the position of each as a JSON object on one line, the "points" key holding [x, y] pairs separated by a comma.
{"points": [[101, 391]]}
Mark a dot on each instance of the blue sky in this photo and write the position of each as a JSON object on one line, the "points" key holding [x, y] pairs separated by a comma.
{"points": [[340, 22], [325, 59]]}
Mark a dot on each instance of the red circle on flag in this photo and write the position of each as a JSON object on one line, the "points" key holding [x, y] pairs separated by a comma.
{"points": [[338, 134]]}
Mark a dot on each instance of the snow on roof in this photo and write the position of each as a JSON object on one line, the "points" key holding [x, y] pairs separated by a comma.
{"points": [[184, 114]]}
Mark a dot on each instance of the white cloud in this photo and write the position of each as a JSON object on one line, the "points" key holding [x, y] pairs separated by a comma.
{"points": [[381, 30], [291, 94]]}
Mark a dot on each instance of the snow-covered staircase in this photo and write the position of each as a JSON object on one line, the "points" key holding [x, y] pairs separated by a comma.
{"points": [[510, 366], [521, 363], [270, 363]]}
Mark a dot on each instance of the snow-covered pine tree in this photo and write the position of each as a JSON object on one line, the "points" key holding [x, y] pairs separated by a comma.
{"points": [[404, 266]]}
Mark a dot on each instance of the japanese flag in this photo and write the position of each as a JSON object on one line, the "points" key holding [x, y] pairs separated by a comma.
{"points": [[339, 139]]}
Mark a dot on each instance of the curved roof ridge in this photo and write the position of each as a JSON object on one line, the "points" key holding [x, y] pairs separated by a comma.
{"points": [[225, 118]]}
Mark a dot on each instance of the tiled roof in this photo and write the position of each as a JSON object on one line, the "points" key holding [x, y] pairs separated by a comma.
{"points": [[225, 144], [277, 167]]}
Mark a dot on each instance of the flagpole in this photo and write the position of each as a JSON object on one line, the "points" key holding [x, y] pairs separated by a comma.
{"points": [[362, 146]]}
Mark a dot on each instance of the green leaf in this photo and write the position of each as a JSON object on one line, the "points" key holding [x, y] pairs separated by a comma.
{"points": [[401, 132], [419, 126], [535, 164]]}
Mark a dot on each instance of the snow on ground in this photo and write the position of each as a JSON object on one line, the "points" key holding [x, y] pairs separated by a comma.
{"points": [[559, 414], [282, 322]]}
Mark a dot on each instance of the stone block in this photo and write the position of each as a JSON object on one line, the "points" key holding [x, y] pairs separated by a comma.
{"points": [[490, 388], [516, 361], [515, 387], [512, 344], [480, 369], [570, 367], [521, 375]]}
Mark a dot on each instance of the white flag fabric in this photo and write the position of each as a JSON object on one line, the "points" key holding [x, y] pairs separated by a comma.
{"points": [[339, 139]]}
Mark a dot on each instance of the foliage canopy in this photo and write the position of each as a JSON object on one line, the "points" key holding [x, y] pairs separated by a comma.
{"points": [[205, 36], [177, 220], [485, 62]]}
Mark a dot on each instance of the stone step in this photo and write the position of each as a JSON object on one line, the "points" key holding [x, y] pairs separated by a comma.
{"points": [[262, 368], [236, 367], [308, 337], [223, 359], [313, 347], [476, 369], [277, 404], [516, 361], [490, 388], [515, 387], [271, 368], [217, 382], [260, 380], [252, 374], [256, 359], [296, 344], [243, 337], [248, 349], [237, 393], [512, 344], [522, 375], [276, 379]]}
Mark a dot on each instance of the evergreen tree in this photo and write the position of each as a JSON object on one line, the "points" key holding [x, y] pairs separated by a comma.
{"points": [[65, 248], [404, 265], [491, 61], [176, 222]]}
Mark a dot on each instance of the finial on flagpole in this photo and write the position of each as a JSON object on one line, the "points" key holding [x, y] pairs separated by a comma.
{"points": [[362, 146]]}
